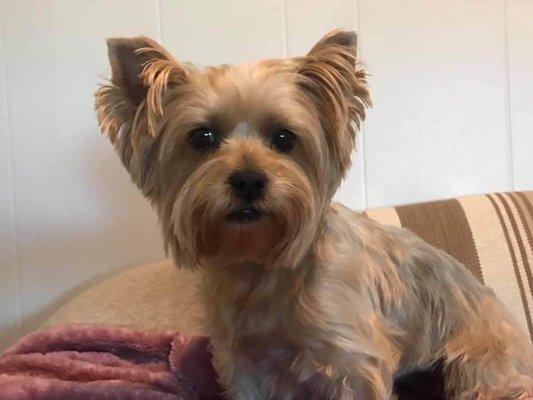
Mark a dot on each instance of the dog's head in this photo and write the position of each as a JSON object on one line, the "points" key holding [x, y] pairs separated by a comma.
{"points": [[240, 161]]}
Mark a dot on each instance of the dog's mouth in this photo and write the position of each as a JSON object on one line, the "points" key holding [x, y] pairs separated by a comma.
{"points": [[244, 215]]}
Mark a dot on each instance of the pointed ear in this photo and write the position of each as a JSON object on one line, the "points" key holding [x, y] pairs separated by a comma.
{"points": [[337, 86], [141, 70], [127, 58], [347, 40]]}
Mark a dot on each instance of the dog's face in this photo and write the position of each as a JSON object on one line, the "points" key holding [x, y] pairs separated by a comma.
{"points": [[240, 161]]}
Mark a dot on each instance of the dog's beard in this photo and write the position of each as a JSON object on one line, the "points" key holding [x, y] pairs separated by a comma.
{"points": [[232, 242], [279, 237]]}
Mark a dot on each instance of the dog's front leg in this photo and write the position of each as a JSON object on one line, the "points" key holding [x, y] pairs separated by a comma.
{"points": [[341, 375], [246, 387], [236, 376], [370, 383]]}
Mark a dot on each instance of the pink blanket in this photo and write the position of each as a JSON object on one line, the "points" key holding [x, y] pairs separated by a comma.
{"points": [[92, 363], [104, 363]]}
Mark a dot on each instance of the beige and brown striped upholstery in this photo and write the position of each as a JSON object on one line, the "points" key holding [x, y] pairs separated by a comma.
{"points": [[491, 234]]}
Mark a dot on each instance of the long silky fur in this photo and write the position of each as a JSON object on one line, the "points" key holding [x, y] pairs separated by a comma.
{"points": [[314, 300]]}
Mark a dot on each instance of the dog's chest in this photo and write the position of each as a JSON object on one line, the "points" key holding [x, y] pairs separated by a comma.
{"points": [[264, 336], [271, 340], [282, 356], [281, 367]]}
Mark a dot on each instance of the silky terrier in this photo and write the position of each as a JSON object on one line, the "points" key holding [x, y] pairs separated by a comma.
{"points": [[304, 298]]}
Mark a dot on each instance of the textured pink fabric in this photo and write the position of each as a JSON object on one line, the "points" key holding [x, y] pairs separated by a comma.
{"points": [[82, 362], [95, 363]]}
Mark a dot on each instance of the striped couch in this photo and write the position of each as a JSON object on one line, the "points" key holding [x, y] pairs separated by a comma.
{"points": [[491, 234]]}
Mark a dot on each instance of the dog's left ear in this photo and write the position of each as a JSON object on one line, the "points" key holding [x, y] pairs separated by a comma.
{"points": [[332, 78]]}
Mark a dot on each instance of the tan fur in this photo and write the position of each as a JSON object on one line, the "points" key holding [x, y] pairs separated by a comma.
{"points": [[313, 300]]}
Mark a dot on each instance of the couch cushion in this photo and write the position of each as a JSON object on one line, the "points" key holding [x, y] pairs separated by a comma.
{"points": [[156, 296], [491, 234]]}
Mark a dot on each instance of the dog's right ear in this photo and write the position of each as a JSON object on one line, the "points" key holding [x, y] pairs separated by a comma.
{"points": [[126, 60], [141, 70]]}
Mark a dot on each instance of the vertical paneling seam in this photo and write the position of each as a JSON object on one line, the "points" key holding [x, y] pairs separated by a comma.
{"points": [[158, 15], [362, 149], [10, 172], [284, 28], [508, 111]]}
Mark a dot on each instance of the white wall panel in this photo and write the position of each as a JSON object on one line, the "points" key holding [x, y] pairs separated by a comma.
{"points": [[78, 216], [520, 40], [439, 126], [451, 83], [219, 32], [10, 311], [307, 22]]}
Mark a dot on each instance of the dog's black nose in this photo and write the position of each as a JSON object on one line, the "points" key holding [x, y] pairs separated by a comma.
{"points": [[248, 185]]}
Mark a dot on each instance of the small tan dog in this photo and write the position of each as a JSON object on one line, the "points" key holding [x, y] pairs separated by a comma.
{"points": [[305, 299]]}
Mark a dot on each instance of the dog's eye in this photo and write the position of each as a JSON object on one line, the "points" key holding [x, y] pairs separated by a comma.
{"points": [[204, 140], [284, 140]]}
